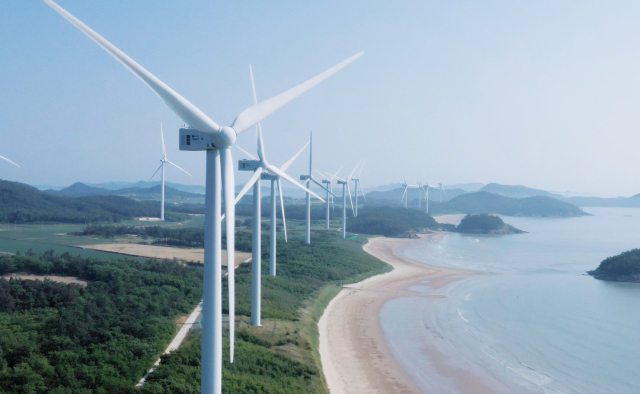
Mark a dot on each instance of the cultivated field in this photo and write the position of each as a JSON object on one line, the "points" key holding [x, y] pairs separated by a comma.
{"points": [[162, 252]]}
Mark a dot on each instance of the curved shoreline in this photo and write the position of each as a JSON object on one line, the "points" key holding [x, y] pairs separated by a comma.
{"points": [[355, 355]]}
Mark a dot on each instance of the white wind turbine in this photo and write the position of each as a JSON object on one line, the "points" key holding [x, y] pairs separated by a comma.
{"points": [[345, 185], [205, 134], [405, 197], [163, 161], [425, 188], [309, 178], [328, 181], [261, 166], [357, 183], [441, 187]]}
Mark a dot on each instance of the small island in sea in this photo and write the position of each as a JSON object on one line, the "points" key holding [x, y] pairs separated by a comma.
{"points": [[624, 267], [486, 224]]}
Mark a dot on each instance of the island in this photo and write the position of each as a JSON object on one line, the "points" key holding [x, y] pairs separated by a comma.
{"points": [[624, 267], [485, 224]]}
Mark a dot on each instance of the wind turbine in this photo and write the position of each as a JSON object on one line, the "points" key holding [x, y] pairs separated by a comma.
{"points": [[205, 134], [405, 197], [329, 188], [345, 185], [426, 194], [357, 183], [261, 166], [309, 178], [4, 158], [441, 190], [163, 161]]}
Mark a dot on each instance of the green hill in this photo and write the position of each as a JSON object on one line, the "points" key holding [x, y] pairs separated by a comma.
{"points": [[485, 224], [624, 267], [390, 222], [80, 189], [484, 202], [23, 203]]}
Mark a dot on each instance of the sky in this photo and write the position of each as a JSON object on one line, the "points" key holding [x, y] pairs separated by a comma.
{"points": [[539, 93]]}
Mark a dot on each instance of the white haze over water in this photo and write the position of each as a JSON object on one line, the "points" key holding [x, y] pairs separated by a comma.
{"points": [[532, 322]]}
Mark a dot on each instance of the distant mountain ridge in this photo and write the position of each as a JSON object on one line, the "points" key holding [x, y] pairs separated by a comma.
{"points": [[485, 202], [518, 191], [80, 189], [23, 203]]}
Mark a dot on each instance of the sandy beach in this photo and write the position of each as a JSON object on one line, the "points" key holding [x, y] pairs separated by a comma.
{"points": [[355, 356]]}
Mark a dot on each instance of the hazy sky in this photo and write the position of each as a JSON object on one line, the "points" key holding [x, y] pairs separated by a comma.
{"points": [[541, 93]]}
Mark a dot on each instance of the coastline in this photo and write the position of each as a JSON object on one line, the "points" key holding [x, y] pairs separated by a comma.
{"points": [[354, 353]]}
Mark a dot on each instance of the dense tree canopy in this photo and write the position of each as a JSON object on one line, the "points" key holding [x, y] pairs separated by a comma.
{"points": [[64, 338], [391, 222], [624, 267]]}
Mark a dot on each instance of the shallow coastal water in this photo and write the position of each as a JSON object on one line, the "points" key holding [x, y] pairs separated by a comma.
{"points": [[532, 321]]}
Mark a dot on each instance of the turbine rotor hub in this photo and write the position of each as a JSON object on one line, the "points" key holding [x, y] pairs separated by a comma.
{"points": [[225, 138]]}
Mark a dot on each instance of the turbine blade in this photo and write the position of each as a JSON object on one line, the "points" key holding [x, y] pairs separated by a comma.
{"points": [[260, 143], [318, 183], [284, 221], [176, 166], [336, 174], [4, 158], [275, 170], [291, 160], [254, 178], [403, 194], [322, 175], [258, 112], [252, 157], [230, 213], [354, 170], [186, 111], [362, 189], [164, 151], [154, 174], [360, 173], [353, 211]]}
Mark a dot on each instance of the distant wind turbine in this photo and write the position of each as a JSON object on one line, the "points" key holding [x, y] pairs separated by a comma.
{"points": [[405, 196], [441, 187], [163, 161], [309, 178], [328, 181], [356, 180], [203, 134]]}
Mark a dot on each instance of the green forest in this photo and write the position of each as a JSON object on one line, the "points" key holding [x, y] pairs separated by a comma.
{"points": [[485, 224], [65, 338], [624, 267], [391, 222]]}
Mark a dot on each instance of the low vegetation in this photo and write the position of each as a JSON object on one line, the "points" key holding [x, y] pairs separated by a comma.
{"points": [[624, 267], [266, 362], [391, 222], [190, 237]]}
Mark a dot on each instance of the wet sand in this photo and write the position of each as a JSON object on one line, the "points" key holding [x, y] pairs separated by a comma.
{"points": [[355, 356]]}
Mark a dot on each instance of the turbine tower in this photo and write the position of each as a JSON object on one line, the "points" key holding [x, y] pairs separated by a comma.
{"points": [[163, 161], [357, 183], [329, 188], [259, 167], [309, 178], [425, 188], [405, 196], [203, 134], [441, 187], [345, 185]]}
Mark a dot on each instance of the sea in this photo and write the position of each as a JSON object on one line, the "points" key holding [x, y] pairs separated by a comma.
{"points": [[532, 321]]}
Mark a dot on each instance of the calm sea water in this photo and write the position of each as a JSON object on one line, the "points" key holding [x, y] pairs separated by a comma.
{"points": [[532, 322]]}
